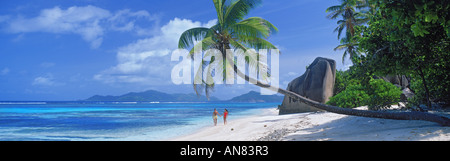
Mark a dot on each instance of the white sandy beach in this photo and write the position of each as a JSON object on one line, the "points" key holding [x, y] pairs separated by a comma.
{"points": [[318, 126]]}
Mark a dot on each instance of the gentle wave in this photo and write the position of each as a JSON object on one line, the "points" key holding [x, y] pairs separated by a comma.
{"points": [[23, 103]]}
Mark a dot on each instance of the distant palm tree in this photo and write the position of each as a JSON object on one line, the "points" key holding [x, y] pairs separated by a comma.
{"points": [[232, 30], [350, 17], [349, 45]]}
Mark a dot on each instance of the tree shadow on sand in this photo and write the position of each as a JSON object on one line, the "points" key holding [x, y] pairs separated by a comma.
{"points": [[370, 129]]}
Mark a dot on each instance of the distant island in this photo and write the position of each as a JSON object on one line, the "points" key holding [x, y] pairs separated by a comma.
{"points": [[253, 97], [156, 96]]}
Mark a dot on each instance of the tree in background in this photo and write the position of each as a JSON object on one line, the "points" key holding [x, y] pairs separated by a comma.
{"points": [[348, 11], [352, 14], [411, 37]]}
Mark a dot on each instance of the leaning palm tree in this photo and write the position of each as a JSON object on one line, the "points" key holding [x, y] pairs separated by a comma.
{"points": [[233, 31]]}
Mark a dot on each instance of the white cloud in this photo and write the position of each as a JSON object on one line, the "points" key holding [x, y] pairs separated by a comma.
{"points": [[4, 18], [89, 22], [4, 71], [120, 21], [346, 66], [292, 74], [46, 80], [47, 64], [79, 20], [148, 60], [43, 81]]}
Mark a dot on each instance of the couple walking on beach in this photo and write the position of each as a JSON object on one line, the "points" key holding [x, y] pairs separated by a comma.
{"points": [[215, 113]]}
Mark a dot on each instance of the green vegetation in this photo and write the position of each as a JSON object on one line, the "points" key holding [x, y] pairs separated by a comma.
{"points": [[343, 80], [351, 92], [382, 94], [400, 37], [353, 14], [353, 96], [235, 32], [410, 38]]}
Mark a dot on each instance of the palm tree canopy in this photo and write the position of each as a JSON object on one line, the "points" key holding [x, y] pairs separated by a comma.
{"points": [[350, 17], [232, 31], [353, 13], [350, 47]]}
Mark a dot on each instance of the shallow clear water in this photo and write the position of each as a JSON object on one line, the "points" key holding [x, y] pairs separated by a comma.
{"points": [[112, 120]]}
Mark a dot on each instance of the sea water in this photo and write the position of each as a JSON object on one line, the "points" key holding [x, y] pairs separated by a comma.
{"points": [[113, 120]]}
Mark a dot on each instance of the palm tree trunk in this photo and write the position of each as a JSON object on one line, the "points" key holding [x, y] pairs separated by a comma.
{"points": [[444, 121]]}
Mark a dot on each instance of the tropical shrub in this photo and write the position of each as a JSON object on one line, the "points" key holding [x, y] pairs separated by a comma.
{"points": [[382, 94], [344, 79], [339, 82], [353, 96], [377, 95]]}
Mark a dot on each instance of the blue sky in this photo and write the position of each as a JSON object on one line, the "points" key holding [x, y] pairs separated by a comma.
{"points": [[71, 50]]}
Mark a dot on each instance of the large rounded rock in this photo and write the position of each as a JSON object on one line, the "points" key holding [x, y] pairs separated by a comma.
{"points": [[316, 83]]}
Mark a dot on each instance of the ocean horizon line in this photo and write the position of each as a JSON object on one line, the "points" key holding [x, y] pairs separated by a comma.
{"points": [[120, 102], [112, 121]]}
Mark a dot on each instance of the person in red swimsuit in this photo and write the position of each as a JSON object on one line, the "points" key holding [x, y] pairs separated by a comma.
{"points": [[225, 114]]}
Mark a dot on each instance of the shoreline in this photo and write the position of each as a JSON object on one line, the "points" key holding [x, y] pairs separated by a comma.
{"points": [[317, 126]]}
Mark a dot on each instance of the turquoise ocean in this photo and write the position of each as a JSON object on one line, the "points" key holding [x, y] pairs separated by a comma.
{"points": [[97, 121]]}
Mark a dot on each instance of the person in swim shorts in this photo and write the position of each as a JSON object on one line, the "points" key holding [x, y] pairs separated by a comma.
{"points": [[215, 113]]}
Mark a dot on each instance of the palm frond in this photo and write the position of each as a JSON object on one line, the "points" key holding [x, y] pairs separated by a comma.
{"points": [[335, 11], [334, 8], [341, 26], [238, 9], [253, 27], [207, 89], [257, 43], [200, 77], [250, 56], [187, 37], [340, 47], [209, 83], [343, 56], [218, 4], [206, 43]]}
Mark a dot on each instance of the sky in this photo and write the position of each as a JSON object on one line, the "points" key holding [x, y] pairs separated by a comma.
{"points": [[53, 50]]}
